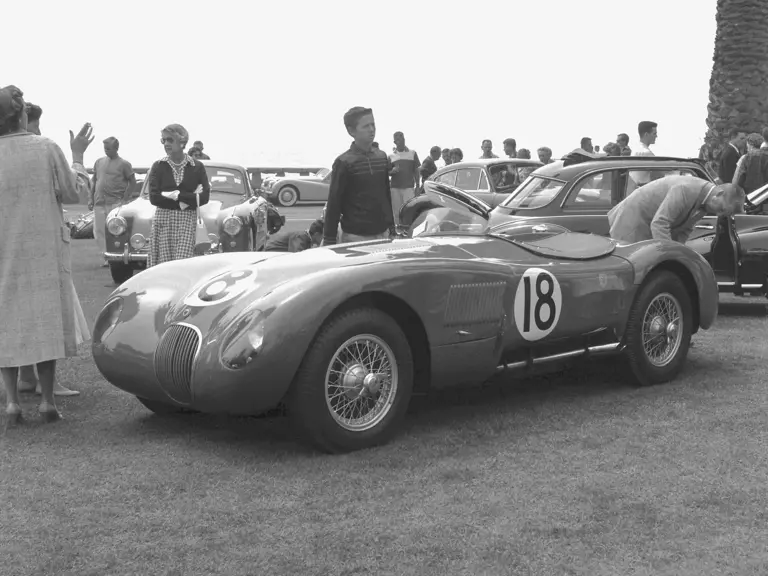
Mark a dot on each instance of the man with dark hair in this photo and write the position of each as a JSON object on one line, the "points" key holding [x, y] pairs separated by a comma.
{"points": [[359, 196], [752, 168], [33, 118], [112, 184], [199, 145], [586, 144], [487, 148], [429, 166], [623, 141], [648, 133], [669, 208], [296, 241], [731, 154], [445, 158], [510, 148], [404, 174]]}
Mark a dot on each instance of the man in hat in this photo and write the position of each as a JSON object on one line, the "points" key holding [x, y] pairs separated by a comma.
{"points": [[668, 208]]}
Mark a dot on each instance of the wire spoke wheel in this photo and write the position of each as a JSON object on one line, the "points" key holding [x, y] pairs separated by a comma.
{"points": [[361, 382], [661, 329]]}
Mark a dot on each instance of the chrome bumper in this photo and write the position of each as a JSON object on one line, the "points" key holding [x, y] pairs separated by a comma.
{"points": [[126, 256]]}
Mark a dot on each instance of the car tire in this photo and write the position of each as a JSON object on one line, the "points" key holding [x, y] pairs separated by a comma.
{"points": [[164, 409], [120, 272], [311, 398], [659, 329], [287, 196]]}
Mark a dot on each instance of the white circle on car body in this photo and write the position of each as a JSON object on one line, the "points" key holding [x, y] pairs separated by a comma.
{"points": [[538, 301], [222, 288]]}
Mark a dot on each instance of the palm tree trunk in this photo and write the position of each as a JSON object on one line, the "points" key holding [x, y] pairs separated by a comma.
{"points": [[738, 87]]}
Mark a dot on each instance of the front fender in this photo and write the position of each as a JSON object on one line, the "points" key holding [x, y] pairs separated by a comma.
{"points": [[649, 255]]}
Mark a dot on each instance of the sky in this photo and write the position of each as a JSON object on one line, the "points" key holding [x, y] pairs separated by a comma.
{"points": [[267, 83]]}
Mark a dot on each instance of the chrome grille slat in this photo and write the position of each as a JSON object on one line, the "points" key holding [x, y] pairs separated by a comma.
{"points": [[174, 361]]}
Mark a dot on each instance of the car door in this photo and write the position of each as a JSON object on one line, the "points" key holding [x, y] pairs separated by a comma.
{"points": [[585, 208], [316, 190]]}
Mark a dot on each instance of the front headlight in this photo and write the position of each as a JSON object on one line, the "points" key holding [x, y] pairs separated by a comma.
{"points": [[138, 241], [233, 225], [244, 341], [117, 225], [107, 320]]}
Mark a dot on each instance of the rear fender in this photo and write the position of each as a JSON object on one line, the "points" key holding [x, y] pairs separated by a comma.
{"points": [[690, 266]]}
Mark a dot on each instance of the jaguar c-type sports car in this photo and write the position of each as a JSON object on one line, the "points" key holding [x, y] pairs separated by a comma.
{"points": [[235, 217], [342, 336]]}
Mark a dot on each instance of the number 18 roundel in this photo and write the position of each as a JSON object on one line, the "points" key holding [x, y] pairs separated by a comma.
{"points": [[538, 301]]}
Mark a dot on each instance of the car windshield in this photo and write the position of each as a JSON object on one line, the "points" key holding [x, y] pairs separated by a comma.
{"points": [[322, 173], [505, 176], [535, 192], [220, 179]]}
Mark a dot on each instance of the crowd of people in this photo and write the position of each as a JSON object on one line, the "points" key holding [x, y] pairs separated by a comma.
{"points": [[367, 189]]}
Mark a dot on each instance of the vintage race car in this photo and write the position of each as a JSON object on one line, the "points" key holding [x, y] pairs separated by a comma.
{"points": [[343, 336], [237, 220], [287, 190], [491, 180]]}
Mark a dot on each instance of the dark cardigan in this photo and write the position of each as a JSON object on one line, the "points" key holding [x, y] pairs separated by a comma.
{"points": [[161, 180]]}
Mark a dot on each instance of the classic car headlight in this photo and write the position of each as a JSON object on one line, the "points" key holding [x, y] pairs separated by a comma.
{"points": [[138, 241], [213, 239], [107, 320], [233, 225], [245, 340], [117, 225]]}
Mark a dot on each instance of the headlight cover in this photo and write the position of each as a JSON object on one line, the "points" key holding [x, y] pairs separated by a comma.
{"points": [[244, 341], [107, 320], [233, 225], [117, 225]]}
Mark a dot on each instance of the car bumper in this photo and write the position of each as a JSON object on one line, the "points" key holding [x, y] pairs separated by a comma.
{"points": [[126, 257]]}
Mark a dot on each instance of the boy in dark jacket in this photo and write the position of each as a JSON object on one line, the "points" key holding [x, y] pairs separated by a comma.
{"points": [[359, 197]]}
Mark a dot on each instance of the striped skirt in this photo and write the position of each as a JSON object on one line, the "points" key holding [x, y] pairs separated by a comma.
{"points": [[173, 235]]}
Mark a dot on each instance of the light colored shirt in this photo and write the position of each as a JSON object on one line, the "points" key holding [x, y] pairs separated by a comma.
{"points": [[112, 177], [642, 177], [408, 166], [665, 209]]}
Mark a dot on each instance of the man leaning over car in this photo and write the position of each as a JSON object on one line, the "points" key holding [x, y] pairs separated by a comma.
{"points": [[669, 208]]}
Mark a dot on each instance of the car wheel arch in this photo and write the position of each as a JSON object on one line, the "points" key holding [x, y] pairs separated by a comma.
{"points": [[408, 320], [686, 276]]}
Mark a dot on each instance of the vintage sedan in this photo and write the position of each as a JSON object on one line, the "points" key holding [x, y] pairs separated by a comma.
{"points": [[343, 336], [491, 180], [288, 190], [237, 220]]}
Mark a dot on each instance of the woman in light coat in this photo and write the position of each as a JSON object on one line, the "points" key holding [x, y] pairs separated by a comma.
{"points": [[41, 319]]}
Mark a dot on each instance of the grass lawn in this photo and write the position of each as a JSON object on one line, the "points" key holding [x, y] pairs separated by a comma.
{"points": [[573, 474]]}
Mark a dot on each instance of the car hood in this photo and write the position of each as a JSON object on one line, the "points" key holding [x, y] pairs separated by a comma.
{"points": [[139, 213]]}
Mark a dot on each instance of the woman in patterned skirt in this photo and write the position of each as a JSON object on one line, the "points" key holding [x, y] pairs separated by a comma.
{"points": [[172, 184]]}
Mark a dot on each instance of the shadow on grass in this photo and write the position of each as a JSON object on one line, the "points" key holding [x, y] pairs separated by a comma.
{"points": [[744, 308], [439, 412]]}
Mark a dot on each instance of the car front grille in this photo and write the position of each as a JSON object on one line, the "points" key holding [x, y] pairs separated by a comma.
{"points": [[174, 361]]}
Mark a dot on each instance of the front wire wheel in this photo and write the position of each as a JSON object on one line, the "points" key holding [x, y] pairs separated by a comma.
{"points": [[361, 382], [354, 384]]}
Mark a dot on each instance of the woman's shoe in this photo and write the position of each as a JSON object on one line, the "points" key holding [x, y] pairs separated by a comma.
{"points": [[13, 415], [49, 413]]}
